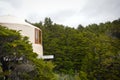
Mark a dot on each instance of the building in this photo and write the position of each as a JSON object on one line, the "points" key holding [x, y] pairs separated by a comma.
{"points": [[26, 29]]}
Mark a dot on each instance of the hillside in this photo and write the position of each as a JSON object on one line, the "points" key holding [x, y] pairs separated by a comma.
{"points": [[93, 51]]}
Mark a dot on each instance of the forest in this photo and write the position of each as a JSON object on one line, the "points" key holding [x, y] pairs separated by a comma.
{"points": [[84, 53], [90, 52]]}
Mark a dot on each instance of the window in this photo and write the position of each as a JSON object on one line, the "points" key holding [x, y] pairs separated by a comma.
{"points": [[38, 37]]}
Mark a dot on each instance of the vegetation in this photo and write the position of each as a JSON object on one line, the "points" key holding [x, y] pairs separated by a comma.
{"points": [[88, 53], [17, 60]]}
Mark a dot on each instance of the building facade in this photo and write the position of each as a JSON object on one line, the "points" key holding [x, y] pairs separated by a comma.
{"points": [[33, 33]]}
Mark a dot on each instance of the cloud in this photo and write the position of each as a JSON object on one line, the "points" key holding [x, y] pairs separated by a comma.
{"points": [[6, 8], [67, 12], [96, 12], [15, 3], [102, 9], [62, 15]]}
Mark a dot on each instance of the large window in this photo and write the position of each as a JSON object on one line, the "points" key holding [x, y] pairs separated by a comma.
{"points": [[38, 37]]}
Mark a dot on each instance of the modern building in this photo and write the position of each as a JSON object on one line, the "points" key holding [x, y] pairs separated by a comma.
{"points": [[26, 29]]}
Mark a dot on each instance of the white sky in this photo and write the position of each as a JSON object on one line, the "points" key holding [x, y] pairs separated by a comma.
{"points": [[66, 12]]}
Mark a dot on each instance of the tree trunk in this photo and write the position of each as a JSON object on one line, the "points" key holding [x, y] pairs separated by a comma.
{"points": [[4, 67]]}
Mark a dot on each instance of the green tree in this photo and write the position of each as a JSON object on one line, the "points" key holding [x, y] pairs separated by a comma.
{"points": [[18, 60], [92, 51]]}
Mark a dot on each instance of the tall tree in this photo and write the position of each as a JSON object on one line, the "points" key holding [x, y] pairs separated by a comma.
{"points": [[18, 61]]}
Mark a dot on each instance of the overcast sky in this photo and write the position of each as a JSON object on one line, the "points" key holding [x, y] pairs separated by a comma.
{"points": [[66, 12]]}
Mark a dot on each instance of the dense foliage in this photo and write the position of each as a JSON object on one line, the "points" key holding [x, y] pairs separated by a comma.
{"points": [[17, 60], [91, 52], [87, 53]]}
